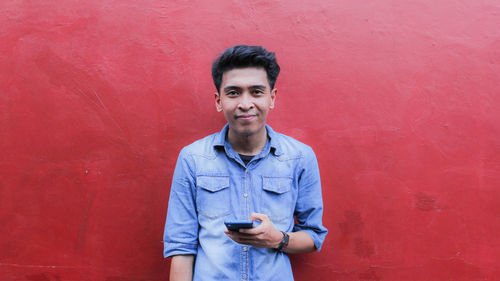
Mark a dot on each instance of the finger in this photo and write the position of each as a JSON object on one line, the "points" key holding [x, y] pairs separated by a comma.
{"points": [[258, 216], [259, 220], [231, 232], [248, 240], [242, 239], [242, 235], [250, 231], [246, 231], [233, 236]]}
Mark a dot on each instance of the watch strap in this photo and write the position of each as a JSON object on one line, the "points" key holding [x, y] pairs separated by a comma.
{"points": [[284, 242]]}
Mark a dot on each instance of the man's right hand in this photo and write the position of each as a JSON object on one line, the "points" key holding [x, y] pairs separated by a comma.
{"points": [[263, 236], [181, 268]]}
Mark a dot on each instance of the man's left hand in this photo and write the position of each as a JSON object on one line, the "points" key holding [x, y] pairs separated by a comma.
{"points": [[263, 236]]}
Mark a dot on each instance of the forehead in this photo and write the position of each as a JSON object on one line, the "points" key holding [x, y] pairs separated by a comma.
{"points": [[245, 77]]}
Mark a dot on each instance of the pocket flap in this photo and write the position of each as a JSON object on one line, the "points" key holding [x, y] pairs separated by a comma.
{"points": [[277, 185], [212, 183]]}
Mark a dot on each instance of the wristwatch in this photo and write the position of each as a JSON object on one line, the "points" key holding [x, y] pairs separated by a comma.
{"points": [[284, 242]]}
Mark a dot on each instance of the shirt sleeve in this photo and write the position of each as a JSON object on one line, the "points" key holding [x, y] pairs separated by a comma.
{"points": [[309, 207], [180, 236]]}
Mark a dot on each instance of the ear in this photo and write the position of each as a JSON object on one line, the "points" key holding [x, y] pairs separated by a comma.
{"points": [[218, 104], [273, 97]]}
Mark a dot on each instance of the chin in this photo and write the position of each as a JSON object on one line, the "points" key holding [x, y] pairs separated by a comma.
{"points": [[245, 131]]}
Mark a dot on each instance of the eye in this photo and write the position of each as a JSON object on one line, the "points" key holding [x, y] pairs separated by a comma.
{"points": [[232, 93], [258, 92]]}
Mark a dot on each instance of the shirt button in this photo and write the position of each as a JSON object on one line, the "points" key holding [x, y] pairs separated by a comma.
{"points": [[245, 249], [245, 195], [244, 277]]}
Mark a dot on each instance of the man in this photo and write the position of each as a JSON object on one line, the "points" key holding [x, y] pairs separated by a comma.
{"points": [[247, 171]]}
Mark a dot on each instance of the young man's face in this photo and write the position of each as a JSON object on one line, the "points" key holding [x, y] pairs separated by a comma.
{"points": [[245, 99]]}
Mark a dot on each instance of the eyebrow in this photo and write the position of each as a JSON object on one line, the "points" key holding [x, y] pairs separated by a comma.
{"points": [[258, 86]]}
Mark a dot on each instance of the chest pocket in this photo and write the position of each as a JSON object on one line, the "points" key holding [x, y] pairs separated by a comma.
{"points": [[213, 196], [277, 200]]}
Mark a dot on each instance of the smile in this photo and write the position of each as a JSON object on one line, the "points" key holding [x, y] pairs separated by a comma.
{"points": [[245, 117]]}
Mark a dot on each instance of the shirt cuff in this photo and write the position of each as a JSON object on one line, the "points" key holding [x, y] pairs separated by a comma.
{"points": [[172, 249]]}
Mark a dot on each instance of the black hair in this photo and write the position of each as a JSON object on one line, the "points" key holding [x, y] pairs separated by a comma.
{"points": [[242, 56]]}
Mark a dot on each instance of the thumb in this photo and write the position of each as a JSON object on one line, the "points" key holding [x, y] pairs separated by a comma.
{"points": [[258, 216]]}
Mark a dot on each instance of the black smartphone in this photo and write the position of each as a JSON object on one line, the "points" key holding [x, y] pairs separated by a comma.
{"points": [[236, 225]]}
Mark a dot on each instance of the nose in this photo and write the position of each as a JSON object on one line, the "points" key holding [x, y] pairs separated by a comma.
{"points": [[246, 102]]}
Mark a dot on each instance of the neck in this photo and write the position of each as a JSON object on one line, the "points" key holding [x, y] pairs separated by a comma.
{"points": [[248, 145]]}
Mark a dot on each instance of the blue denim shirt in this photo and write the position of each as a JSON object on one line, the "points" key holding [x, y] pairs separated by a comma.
{"points": [[212, 184]]}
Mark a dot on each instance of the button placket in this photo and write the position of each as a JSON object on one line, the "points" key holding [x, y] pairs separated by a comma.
{"points": [[244, 249], [246, 192]]}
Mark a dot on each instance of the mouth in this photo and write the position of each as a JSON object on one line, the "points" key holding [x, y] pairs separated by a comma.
{"points": [[245, 117]]}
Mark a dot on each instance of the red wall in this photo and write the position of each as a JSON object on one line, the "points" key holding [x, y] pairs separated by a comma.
{"points": [[399, 99]]}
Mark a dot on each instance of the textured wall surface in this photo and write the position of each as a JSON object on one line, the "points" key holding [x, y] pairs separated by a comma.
{"points": [[399, 99]]}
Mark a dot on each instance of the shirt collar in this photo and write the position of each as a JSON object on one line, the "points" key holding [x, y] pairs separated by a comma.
{"points": [[220, 139]]}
